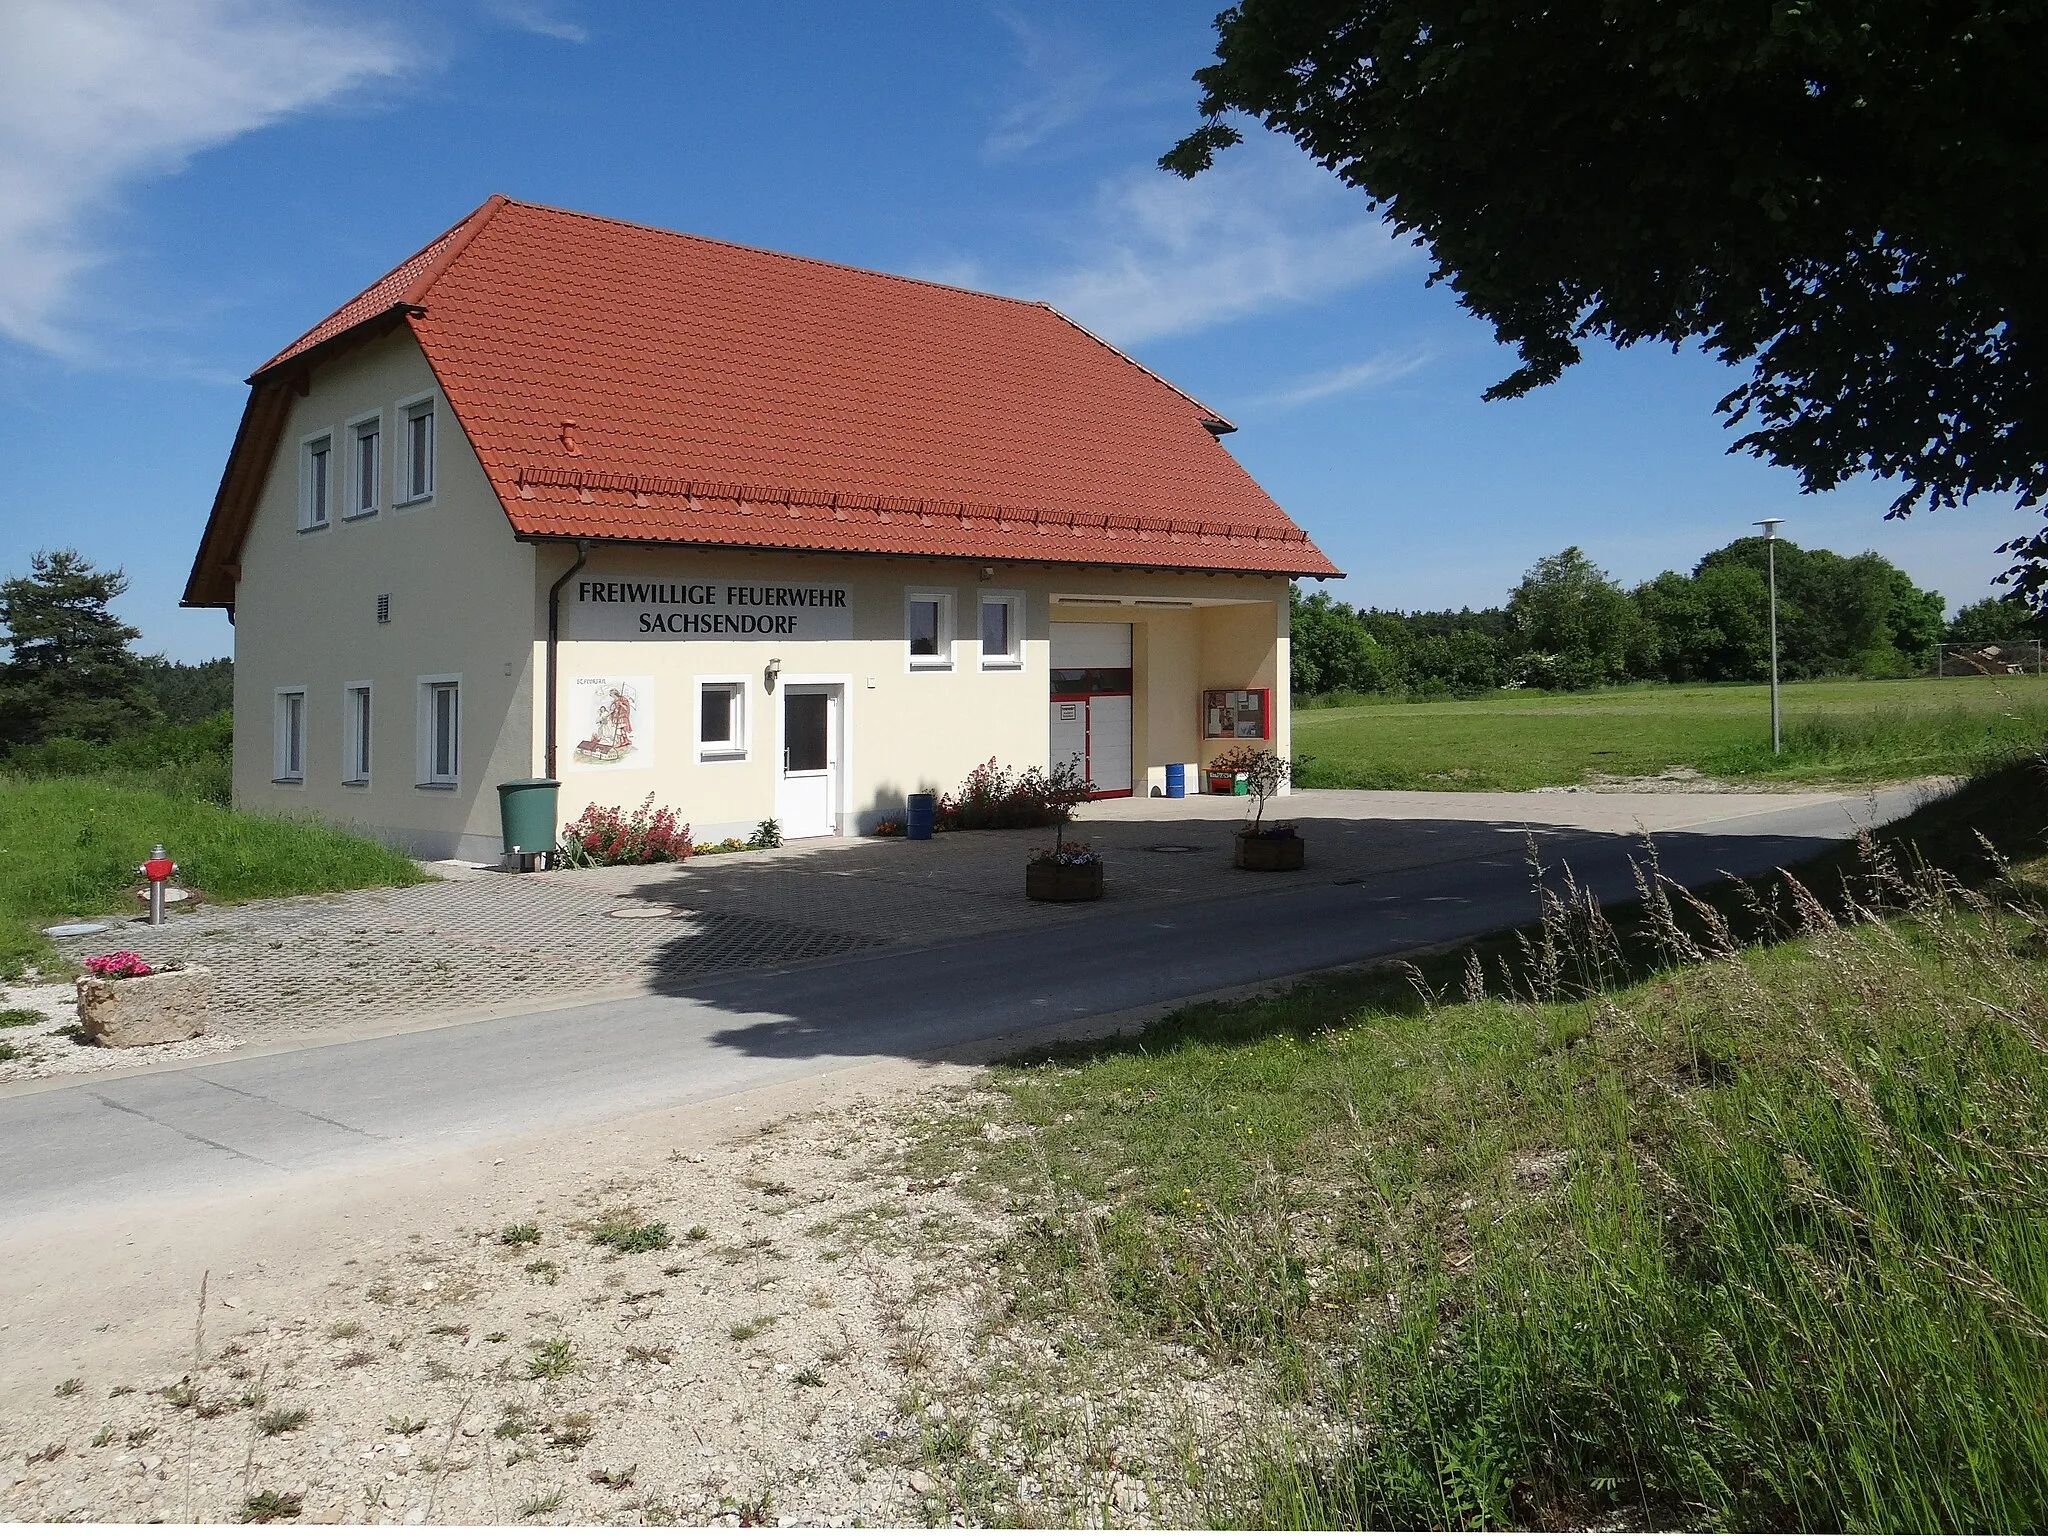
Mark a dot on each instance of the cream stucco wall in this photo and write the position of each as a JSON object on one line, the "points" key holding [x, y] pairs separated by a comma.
{"points": [[461, 605], [905, 730]]}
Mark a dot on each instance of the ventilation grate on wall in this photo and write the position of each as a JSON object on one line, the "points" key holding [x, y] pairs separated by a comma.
{"points": [[383, 607]]}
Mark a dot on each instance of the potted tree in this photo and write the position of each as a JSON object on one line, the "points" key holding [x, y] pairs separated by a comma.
{"points": [[1065, 871], [1259, 846]]}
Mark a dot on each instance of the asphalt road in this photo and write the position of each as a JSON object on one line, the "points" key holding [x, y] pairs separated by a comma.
{"points": [[227, 1124]]}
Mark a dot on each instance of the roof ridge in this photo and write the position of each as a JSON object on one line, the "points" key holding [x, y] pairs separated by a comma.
{"points": [[435, 261], [763, 250], [457, 241]]}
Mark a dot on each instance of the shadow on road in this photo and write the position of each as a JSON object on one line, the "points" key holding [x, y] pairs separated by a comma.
{"points": [[1373, 889]]}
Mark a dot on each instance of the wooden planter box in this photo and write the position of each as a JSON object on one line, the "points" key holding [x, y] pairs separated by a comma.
{"points": [[1063, 882], [145, 1010], [1269, 852]]}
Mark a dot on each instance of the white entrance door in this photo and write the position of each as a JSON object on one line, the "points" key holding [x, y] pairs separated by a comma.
{"points": [[807, 800]]}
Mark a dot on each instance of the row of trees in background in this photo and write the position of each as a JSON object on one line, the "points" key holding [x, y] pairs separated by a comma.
{"points": [[1568, 625], [72, 673]]}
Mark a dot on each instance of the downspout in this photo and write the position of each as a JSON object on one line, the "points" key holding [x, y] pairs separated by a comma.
{"points": [[554, 640]]}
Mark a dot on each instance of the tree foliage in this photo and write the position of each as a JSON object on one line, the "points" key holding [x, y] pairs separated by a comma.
{"points": [[1573, 626], [1848, 196], [1994, 620], [72, 672], [1568, 625], [189, 691]]}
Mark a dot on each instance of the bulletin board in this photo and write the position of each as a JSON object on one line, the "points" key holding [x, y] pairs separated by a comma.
{"points": [[1242, 714]]}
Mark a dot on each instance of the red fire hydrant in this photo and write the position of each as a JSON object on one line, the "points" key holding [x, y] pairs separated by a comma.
{"points": [[156, 869]]}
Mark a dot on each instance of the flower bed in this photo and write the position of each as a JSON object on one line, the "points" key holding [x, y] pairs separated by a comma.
{"points": [[767, 834], [610, 835], [996, 797], [1068, 857], [118, 966]]}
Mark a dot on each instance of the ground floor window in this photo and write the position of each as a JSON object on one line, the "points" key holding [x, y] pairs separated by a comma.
{"points": [[355, 734], [1002, 630], [291, 736], [928, 627], [440, 731], [721, 717]]}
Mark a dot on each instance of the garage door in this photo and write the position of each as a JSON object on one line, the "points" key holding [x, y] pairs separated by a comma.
{"points": [[1091, 702]]}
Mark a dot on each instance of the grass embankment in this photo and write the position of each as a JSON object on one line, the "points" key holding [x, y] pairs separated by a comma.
{"points": [[76, 820], [1752, 1240], [1834, 732]]}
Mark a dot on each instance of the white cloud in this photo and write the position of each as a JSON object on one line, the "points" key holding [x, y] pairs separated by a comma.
{"points": [[95, 94], [1159, 256], [528, 16], [1063, 83], [1381, 368]]}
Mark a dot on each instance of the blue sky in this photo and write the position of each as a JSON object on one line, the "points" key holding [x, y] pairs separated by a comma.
{"points": [[187, 184]]}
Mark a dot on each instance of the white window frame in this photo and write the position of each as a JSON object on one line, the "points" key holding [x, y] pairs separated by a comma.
{"points": [[948, 633], [429, 405], [1011, 660], [428, 777], [734, 750], [316, 491], [352, 431], [283, 747], [356, 752]]}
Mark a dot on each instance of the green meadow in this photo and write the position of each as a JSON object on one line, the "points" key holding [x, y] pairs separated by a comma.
{"points": [[1834, 732], [1722, 1214], [76, 819]]}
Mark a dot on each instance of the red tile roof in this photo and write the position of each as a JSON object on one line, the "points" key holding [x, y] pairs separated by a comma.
{"points": [[623, 382]]}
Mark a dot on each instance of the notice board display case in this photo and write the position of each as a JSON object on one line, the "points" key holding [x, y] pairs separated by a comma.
{"points": [[1242, 714]]}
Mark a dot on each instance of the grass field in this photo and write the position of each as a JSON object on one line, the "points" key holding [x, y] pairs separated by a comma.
{"points": [[69, 847], [1752, 1240], [1835, 732]]}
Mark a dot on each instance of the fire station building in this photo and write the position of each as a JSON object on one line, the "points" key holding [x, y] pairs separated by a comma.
{"points": [[760, 535]]}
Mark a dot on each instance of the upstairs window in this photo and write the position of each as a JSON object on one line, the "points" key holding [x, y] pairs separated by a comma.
{"points": [[418, 470], [365, 467], [316, 481]]}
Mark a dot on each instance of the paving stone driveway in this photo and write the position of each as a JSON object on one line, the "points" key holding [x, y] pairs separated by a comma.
{"points": [[483, 940]]}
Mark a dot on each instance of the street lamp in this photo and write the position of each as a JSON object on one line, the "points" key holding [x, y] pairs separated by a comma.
{"points": [[1770, 528]]}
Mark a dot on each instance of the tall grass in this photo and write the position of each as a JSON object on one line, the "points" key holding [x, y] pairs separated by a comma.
{"points": [[1759, 1242], [69, 848], [1893, 740], [194, 761]]}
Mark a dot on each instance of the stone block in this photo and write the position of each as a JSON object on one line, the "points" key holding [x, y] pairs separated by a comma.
{"points": [[145, 1010]]}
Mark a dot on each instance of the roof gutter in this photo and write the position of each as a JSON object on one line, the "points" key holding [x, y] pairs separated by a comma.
{"points": [[554, 638]]}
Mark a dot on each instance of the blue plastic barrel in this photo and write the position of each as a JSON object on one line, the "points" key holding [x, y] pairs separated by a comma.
{"points": [[1176, 781], [921, 808]]}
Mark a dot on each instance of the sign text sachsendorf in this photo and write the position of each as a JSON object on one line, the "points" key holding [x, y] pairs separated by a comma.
{"points": [[619, 610]]}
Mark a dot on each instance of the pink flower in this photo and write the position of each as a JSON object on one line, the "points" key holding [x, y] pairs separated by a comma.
{"points": [[119, 965]]}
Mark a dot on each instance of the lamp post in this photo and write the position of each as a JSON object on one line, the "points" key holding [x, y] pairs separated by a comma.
{"points": [[1770, 528]]}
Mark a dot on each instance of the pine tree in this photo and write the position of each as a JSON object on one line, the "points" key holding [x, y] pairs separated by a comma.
{"points": [[71, 672]]}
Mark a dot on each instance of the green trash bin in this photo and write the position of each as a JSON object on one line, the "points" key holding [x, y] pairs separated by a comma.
{"points": [[526, 813]]}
